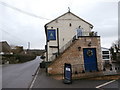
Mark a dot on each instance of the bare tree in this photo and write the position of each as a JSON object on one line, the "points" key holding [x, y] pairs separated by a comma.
{"points": [[115, 50]]}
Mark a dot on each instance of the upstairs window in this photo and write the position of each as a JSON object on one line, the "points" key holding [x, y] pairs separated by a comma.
{"points": [[70, 24], [105, 52]]}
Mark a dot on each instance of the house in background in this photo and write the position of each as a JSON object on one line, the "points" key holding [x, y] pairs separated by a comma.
{"points": [[106, 55], [69, 39], [5, 48]]}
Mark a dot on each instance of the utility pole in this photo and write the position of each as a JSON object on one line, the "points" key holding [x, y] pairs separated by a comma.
{"points": [[28, 45]]}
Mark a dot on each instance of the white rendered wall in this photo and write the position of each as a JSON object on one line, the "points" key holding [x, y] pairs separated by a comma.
{"points": [[66, 32]]}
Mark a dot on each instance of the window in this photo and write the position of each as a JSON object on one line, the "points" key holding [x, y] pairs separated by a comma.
{"points": [[106, 57], [105, 52], [63, 39], [56, 21]]}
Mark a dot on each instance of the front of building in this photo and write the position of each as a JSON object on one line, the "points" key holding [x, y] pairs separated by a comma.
{"points": [[69, 40]]}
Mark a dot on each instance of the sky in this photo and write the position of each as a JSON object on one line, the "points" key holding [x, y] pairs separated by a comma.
{"points": [[22, 21]]}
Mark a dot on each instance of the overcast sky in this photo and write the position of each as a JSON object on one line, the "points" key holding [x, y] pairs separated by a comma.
{"points": [[22, 21]]}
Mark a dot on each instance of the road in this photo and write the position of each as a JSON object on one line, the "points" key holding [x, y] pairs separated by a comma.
{"points": [[19, 75], [43, 81], [109, 84]]}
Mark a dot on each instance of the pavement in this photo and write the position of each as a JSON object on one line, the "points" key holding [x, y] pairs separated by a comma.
{"points": [[44, 81]]}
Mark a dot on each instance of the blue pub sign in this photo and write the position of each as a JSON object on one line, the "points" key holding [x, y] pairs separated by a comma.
{"points": [[51, 34]]}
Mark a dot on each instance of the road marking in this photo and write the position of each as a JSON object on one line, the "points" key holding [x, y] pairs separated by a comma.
{"points": [[34, 79], [105, 84]]}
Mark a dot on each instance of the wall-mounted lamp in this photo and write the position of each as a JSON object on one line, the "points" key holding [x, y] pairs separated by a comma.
{"points": [[89, 44], [79, 48]]}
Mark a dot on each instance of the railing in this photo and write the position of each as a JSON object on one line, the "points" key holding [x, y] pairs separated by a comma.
{"points": [[86, 33], [63, 49], [114, 68], [67, 45], [80, 69], [80, 33]]}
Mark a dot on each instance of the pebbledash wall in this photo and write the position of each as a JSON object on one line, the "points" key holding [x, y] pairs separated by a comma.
{"points": [[74, 55]]}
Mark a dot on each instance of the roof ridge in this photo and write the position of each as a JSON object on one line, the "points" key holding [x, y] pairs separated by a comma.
{"points": [[72, 14]]}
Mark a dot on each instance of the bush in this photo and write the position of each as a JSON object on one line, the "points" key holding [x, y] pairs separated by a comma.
{"points": [[44, 64], [17, 58], [24, 58]]}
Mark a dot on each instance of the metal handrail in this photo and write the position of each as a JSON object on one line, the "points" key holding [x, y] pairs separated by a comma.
{"points": [[67, 45], [87, 33], [63, 49]]}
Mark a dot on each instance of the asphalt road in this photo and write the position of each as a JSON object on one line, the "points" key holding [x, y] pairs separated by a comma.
{"points": [[44, 81], [115, 84], [19, 75]]}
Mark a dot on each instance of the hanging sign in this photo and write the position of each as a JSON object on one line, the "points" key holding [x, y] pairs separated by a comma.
{"points": [[51, 35]]}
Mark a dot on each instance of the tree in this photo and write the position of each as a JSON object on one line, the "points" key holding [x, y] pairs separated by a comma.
{"points": [[115, 48], [112, 53]]}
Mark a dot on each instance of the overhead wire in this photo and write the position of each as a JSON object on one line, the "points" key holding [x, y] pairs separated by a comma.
{"points": [[22, 11], [13, 36]]}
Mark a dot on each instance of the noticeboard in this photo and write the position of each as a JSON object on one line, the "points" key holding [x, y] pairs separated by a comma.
{"points": [[51, 34]]}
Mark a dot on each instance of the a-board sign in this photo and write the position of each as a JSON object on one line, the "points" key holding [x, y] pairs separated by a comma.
{"points": [[67, 73]]}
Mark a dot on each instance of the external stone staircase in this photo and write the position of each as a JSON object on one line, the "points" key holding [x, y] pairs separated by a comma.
{"points": [[62, 50]]}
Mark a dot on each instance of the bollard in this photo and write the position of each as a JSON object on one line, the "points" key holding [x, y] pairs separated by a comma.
{"points": [[111, 69], [104, 69], [76, 72], [90, 71], [97, 70], [83, 71], [118, 68]]}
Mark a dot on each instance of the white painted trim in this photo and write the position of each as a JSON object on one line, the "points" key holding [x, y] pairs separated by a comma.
{"points": [[105, 84], [34, 80]]}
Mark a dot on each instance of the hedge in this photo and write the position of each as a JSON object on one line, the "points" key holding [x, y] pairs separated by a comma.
{"points": [[17, 58]]}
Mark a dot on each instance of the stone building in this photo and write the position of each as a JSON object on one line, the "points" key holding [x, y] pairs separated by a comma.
{"points": [[5, 48], [69, 39]]}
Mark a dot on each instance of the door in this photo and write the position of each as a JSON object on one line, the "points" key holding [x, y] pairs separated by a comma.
{"points": [[79, 32], [90, 60]]}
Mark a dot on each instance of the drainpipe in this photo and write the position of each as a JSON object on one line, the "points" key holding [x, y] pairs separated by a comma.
{"points": [[58, 40], [46, 43]]}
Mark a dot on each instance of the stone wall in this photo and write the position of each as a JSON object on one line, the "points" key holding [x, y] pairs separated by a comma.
{"points": [[74, 55]]}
